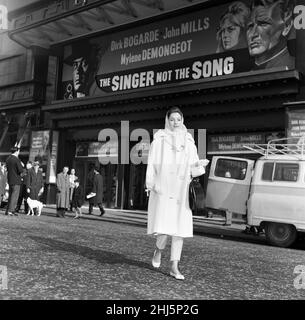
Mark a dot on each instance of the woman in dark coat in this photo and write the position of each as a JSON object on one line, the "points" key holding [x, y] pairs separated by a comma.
{"points": [[98, 187]]}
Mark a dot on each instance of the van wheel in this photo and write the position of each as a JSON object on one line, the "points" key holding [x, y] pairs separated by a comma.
{"points": [[280, 234]]}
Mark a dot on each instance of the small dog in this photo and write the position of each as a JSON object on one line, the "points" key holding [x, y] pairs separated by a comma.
{"points": [[32, 205]]}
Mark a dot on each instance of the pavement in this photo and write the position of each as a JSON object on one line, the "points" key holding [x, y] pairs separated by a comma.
{"points": [[214, 227], [46, 258]]}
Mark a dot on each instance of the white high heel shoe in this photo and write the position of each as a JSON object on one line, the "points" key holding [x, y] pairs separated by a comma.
{"points": [[154, 263], [177, 276]]}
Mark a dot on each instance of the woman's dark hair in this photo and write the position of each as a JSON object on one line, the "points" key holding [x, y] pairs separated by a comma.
{"points": [[173, 110]]}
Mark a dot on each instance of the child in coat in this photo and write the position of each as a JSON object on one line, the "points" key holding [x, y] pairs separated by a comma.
{"points": [[77, 199]]}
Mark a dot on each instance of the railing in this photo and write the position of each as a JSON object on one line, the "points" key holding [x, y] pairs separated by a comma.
{"points": [[281, 147]]}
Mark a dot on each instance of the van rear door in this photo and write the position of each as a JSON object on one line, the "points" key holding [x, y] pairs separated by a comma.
{"points": [[229, 184]]}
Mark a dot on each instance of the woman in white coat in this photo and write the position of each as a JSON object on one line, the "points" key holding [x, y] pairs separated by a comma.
{"points": [[171, 155]]}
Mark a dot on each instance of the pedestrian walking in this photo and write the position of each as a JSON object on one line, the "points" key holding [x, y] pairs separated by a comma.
{"points": [[3, 181], [90, 177], [14, 170], [171, 155], [72, 178], [77, 199], [63, 192], [97, 189], [23, 195], [35, 184]]}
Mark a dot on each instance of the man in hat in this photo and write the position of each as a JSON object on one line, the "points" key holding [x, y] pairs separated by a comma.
{"points": [[23, 195], [14, 170], [97, 189], [34, 183], [83, 59]]}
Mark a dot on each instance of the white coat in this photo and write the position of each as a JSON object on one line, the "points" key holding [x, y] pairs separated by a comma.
{"points": [[168, 177]]}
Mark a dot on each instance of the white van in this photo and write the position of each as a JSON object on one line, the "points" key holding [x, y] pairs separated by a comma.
{"points": [[269, 195]]}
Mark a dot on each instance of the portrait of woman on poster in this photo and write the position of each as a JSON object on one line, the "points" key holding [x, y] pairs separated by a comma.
{"points": [[231, 34], [172, 154]]}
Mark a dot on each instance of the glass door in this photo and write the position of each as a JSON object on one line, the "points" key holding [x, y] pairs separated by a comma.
{"points": [[110, 175], [137, 196]]}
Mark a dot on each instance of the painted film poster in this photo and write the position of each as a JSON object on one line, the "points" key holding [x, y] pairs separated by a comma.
{"points": [[296, 123], [212, 43], [40, 147], [234, 143]]}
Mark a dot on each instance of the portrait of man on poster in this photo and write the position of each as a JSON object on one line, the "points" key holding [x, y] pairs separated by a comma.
{"points": [[84, 60], [268, 29]]}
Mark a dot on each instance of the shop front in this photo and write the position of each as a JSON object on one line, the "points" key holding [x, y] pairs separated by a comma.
{"points": [[230, 88], [124, 183], [87, 157]]}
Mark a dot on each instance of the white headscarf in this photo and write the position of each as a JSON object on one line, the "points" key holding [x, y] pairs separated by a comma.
{"points": [[177, 142], [177, 139]]}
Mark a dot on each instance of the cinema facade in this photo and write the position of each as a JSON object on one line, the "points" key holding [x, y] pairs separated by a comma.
{"points": [[115, 67]]}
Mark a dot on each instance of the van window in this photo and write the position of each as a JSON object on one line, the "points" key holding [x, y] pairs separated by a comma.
{"points": [[234, 169], [281, 172], [286, 172], [268, 171]]}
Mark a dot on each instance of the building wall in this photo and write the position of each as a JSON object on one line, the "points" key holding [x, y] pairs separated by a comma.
{"points": [[13, 61], [17, 4], [23, 75], [300, 47]]}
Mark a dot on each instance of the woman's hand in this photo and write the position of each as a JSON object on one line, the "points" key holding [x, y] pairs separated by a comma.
{"points": [[202, 163], [156, 188]]}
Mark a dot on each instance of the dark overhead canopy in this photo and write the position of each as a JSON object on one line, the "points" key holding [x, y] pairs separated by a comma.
{"points": [[54, 22]]}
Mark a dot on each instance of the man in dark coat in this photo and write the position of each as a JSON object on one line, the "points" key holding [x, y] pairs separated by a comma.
{"points": [[14, 171], [23, 195], [34, 182], [98, 187], [90, 178]]}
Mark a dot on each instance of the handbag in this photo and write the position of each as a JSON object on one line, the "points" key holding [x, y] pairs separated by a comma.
{"points": [[196, 195]]}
